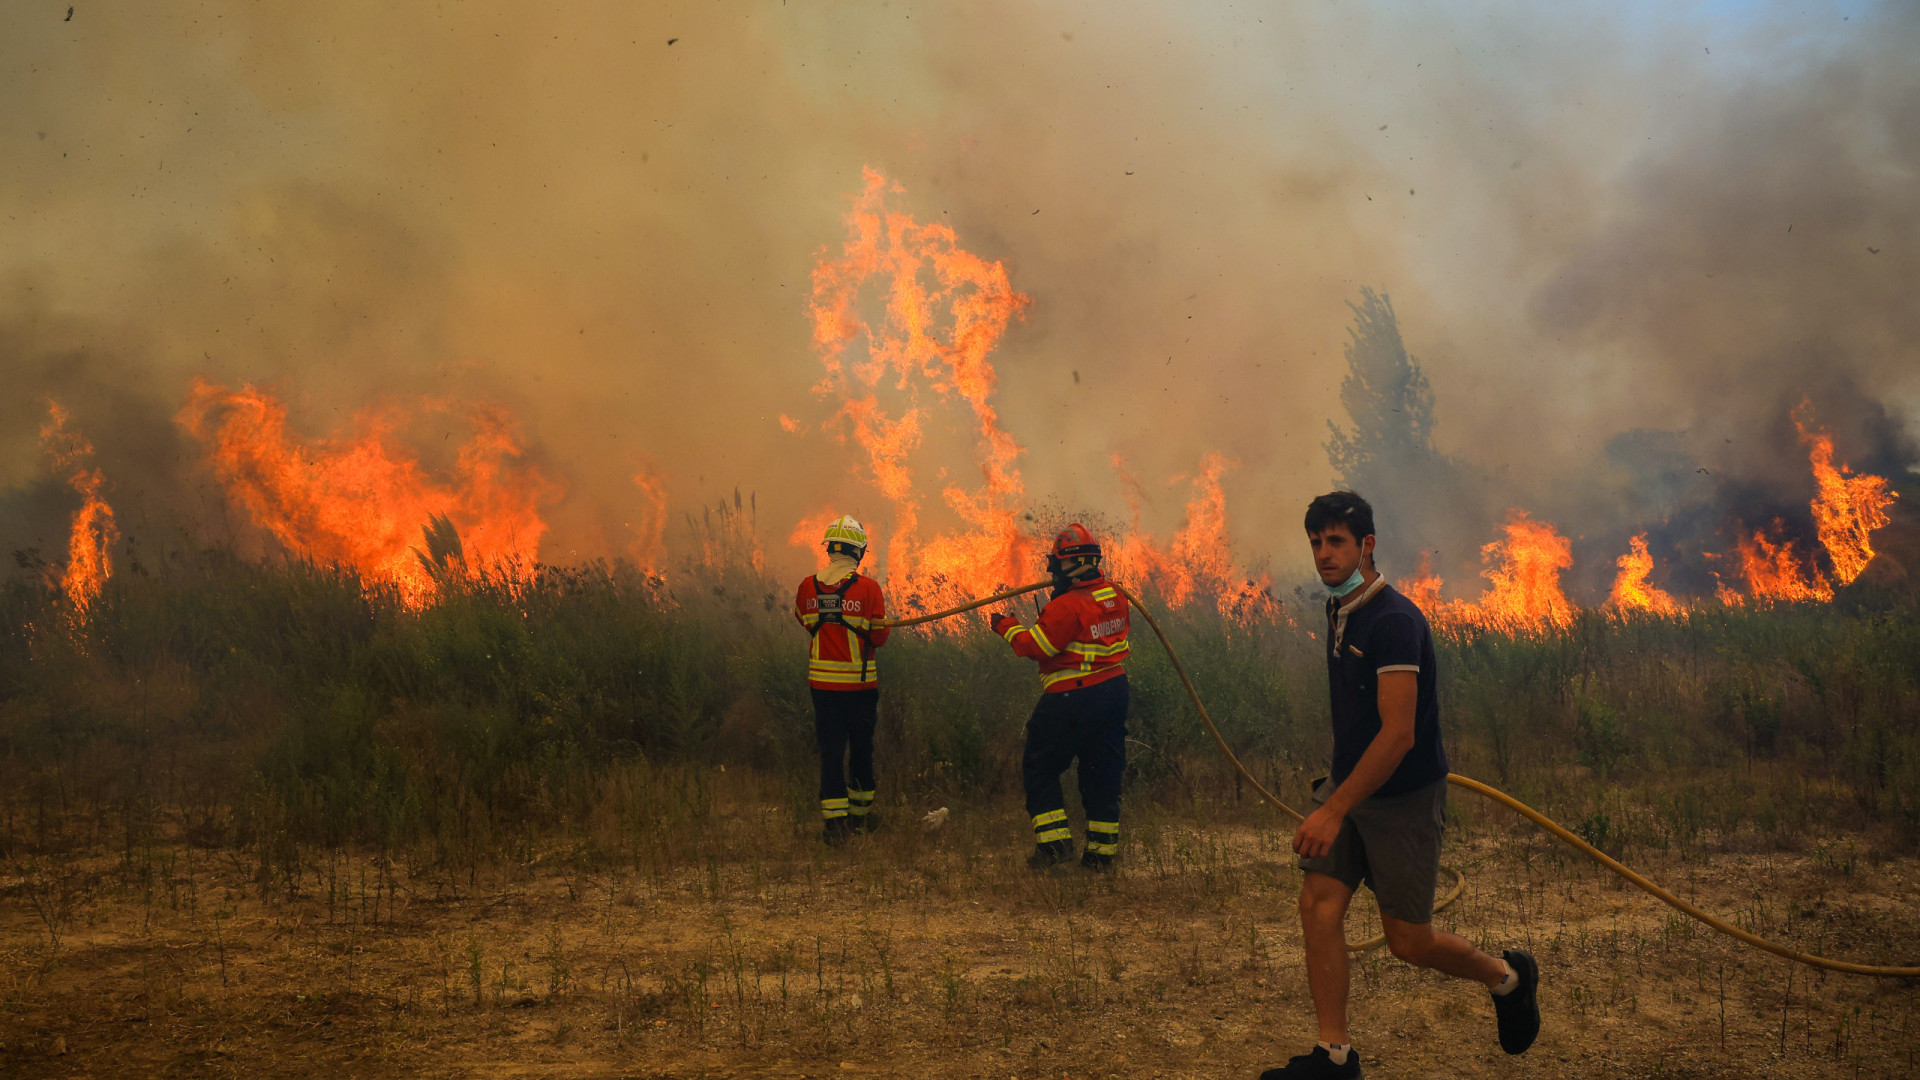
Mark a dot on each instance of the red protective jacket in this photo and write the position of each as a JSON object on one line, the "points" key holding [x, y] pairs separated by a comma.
{"points": [[1081, 638], [841, 657]]}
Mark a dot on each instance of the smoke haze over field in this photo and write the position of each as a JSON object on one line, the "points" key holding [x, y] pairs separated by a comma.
{"points": [[1623, 243]]}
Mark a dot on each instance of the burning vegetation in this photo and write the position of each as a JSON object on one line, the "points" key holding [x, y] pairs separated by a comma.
{"points": [[90, 542], [363, 501], [1524, 567], [945, 309], [1523, 570], [1848, 508], [1197, 563], [650, 524], [905, 321], [1631, 591], [903, 309]]}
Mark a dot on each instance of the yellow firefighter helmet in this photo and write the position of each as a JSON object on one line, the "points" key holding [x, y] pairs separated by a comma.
{"points": [[846, 536]]}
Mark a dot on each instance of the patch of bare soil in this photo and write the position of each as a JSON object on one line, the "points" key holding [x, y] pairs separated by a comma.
{"points": [[925, 955]]}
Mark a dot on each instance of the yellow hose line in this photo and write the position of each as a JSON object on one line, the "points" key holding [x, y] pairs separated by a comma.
{"points": [[1544, 822], [966, 607], [1721, 925], [1486, 790]]}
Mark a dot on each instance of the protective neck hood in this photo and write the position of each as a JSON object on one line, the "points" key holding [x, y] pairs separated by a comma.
{"points": [[1066, 579], [838, 567], [1358, 579]]}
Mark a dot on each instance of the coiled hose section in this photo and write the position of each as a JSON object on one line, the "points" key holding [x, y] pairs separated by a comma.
{"points": [[1561, 832]]}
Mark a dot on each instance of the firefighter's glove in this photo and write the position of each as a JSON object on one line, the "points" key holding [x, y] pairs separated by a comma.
{"points": [[1002, 623]]}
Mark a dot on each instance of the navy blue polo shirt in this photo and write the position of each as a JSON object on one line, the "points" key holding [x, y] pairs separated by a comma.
{"points": [[1386, 632]]}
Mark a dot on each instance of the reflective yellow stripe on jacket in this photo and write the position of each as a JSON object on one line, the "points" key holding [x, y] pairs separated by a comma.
{"points": [[853, 672], [1039, 637], [1089, 652]]}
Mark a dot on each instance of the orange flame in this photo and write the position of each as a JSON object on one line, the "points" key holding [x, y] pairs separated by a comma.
{"points": [[649, 541], [1423, 588], [809, 530], [90, 542], [945, 310], [1848, 507], [1525, 567], [1524, 572], [1775, 572], [363, 502], [1199, 560], [1630, 589]]}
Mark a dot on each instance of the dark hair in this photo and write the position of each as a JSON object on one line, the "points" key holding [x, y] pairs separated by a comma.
{"points": [[1341, 508]]}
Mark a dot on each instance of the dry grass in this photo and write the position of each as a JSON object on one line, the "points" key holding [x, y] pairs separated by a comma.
{"points": [[740, 948], [261, 820]]}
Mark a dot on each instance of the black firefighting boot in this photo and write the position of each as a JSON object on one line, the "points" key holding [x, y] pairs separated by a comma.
{"points": [[1050, 854], [835, 831], [1096, 862]]}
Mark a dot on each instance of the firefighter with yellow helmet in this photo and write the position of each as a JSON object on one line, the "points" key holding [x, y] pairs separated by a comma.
{"points": [[839, 607]]}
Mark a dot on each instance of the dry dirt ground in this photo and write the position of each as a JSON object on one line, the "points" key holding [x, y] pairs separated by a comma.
{"points": [[753, 953]]}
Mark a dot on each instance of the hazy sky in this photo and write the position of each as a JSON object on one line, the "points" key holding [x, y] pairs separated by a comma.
{"points": [[1591, 218]]}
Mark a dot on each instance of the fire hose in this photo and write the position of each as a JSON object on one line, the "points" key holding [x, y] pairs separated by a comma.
{"points": [[1561, 832]]}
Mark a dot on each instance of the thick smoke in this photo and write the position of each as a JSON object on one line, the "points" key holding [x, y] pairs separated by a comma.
{"points": [[603, 216]]}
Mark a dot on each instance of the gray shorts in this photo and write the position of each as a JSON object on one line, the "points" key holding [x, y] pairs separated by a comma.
{"points": [[1391, 842]]}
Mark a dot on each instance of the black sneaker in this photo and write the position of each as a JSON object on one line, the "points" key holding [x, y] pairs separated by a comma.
{"points": [[865, 823], [1048, 856], [1519, 1010], [835, 832], [1317, 1065]]}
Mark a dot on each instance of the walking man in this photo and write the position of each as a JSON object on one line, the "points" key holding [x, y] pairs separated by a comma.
{"points": [[1080, 642], [1379, 817], [839, 608]]}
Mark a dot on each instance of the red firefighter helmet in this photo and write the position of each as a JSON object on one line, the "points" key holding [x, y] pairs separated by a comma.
{"points": [[1075, 542]]}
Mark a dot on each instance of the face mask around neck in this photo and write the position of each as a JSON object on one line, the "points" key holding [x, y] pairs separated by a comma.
{"points": [[1348, 585]]}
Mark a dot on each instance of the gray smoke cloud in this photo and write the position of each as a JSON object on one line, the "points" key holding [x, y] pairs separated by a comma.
{"points": [[603, 217]]}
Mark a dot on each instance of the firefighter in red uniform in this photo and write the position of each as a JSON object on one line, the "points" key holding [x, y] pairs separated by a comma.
{"points": [[838, 607], [1080, 642]]}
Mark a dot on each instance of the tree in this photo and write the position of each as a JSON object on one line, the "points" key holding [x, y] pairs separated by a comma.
{"points": [[1389, 400], [1423, 500]]}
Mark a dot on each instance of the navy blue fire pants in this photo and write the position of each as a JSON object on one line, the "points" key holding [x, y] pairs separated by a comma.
{"points": [[1089, 724], [844, 720]]}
